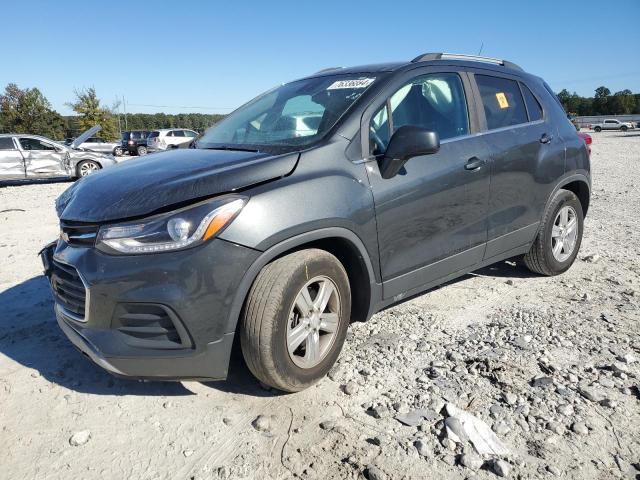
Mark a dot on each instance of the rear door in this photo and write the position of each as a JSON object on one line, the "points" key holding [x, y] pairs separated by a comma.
{"points": [[432, 216], [11, 161], [42, 158], [526, 155]]}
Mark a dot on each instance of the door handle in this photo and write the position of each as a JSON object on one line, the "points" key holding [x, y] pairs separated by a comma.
{"points": [[546, 138], [474, 163]]}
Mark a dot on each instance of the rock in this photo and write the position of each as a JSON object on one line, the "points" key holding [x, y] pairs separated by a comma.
{"points": [[566, 410], [422, 447], [501, 468], [351, 388], [379, 411], [262, 423], [541, 381], [609, 403], [187, 453], [80, 438], [555, 427], [606, 382], [593, 258], [580, 428], [628, 358], [469, 460], [416, 417], [510, 398], [328, 425], [509, 282], [501, 428], [554, 470], [374, 473], [591, 394], [227, 421]]}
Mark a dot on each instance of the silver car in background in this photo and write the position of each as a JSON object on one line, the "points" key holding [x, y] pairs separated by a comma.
{"points": [[31, 156], [97, 144]]}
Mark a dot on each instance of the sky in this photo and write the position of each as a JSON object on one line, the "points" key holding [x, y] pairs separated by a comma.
{"points": [[210, 57]]}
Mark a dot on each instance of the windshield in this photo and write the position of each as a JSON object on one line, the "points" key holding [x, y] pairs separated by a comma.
{"points": [[292, 116]]}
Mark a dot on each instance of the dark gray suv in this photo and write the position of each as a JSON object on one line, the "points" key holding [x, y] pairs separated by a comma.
{"points": [[316, 204]]}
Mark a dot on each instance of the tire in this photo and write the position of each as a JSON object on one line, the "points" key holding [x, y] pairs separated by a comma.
{"points": [[541, 258], [118, 152], [141, 150], [271, 315], [597, 129], [86, 168], [623, 128]]}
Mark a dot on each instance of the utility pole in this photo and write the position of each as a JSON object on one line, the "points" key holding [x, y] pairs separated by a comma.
{"points": [[124, 106]]}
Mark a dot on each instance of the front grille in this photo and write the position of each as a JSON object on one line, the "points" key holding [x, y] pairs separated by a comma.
{"points": [[79, 234], [68, 289]]}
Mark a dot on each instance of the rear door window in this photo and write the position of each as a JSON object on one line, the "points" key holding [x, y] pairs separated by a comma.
{"points": [[6, 143], [178, 133], [533, 106], [502, 101]]}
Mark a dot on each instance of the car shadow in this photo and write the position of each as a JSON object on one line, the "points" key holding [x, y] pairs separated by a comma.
{"points": [[34, 181], [30, 336], [506, 269]]}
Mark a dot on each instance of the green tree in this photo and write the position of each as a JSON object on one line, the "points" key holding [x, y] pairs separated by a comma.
{"points": [[601, 104], [90, 113], [622, 102], [28, 111]]}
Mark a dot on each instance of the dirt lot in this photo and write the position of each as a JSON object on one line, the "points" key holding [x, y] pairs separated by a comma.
{"points": [[552, 365]]}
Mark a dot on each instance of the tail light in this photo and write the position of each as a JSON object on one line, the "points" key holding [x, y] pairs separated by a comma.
{"points": [[130, 142]]}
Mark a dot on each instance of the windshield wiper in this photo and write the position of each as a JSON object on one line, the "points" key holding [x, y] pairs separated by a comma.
{"points": [[235, 149]]}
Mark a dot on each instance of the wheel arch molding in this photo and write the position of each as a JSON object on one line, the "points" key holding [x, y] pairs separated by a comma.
{"points": [[342, 243]]}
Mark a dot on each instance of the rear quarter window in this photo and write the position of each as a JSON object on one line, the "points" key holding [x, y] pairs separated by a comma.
{"points": [[6, 143], [502, 101], [533, 106]]}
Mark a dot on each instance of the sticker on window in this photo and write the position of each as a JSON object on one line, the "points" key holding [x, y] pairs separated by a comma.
{"points": [[359, 83], [502, 100]]}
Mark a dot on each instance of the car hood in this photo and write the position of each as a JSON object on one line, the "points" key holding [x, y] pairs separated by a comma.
{"points": [[83, 137], [143, 186]]}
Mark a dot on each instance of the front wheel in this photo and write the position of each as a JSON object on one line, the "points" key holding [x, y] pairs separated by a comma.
{"points": [[295, 319], [624, 128], [597, 129], [558, 241], [86, 168], [118, 152]]}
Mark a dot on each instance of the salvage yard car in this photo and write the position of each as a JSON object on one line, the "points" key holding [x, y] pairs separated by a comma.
{"points": [[96, 144], [416, 173], [611, 124], [32, 156], [169, 138]]}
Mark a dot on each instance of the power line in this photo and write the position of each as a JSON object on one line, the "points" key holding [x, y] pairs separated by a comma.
{"points": [[179, 106]]}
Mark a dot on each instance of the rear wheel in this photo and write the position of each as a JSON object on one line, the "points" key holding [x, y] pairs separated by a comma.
{"points": [[118, 152], [558, 241], [624, 128], [597, 129], [295, 319], [86, 168], [142, 150]]}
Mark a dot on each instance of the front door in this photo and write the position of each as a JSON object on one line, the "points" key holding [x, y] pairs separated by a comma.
{"points": [[11, 161], [43, 159], [432, 216], [526, 159]]}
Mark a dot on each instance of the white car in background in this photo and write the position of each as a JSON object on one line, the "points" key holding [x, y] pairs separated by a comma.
{"points": [[97, 144], [168, 138]]}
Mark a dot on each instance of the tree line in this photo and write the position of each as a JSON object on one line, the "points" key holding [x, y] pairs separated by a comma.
{"points": [[602, 103], [28, 111]]}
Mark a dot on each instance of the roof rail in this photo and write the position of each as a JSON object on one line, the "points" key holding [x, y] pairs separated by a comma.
{"points": [[461, 56], [324, 70]]}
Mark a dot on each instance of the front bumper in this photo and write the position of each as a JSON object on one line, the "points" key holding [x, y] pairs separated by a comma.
{"points": [[164, 316]]}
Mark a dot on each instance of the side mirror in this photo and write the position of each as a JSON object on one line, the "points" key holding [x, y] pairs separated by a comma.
{"points": [[405, 143]]}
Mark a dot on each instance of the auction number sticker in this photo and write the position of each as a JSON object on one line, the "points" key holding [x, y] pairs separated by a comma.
{"points": [[502, 100], [359, 83]]}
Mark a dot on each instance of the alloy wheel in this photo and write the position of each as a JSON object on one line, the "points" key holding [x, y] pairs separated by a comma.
{"points": [[564, 233], [313, 322], [87, 168]]}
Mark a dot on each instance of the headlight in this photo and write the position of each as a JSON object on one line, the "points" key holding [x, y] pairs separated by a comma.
{"points": [[175, 230]]}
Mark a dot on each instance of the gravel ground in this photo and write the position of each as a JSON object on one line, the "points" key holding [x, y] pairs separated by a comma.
{"points": [[551, 365]]}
